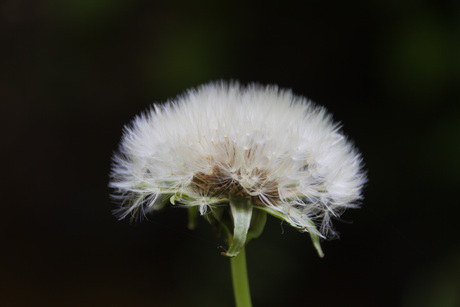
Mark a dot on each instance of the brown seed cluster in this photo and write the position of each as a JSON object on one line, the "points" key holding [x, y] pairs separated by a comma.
{"points": [[219, 183], [212, 184]]}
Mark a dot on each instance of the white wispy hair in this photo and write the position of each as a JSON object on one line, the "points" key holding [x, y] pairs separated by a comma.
{"points": [[259, 142]]}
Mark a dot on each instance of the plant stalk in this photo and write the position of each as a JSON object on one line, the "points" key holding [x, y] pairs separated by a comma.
{"points": [[240, 280]]}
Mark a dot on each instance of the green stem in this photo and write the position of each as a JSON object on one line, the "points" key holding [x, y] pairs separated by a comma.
{"points": [[240, 280]]}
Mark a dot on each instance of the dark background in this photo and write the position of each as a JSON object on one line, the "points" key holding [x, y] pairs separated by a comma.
{"points": [[74, 72]]}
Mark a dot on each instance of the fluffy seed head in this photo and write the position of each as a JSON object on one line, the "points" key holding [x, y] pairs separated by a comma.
{"points": [[260, 143]]}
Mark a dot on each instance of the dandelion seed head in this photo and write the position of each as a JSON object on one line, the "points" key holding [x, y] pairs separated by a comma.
{"points": [[256, 142]]}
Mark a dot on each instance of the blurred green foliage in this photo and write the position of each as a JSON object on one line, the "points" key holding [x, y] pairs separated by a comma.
{"points": [[437, 285]]}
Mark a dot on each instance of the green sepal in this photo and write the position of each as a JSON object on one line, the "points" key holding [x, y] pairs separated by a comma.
{"points": [[173, 199], [315, 239], [314, 235], [259, 218], [241, 209], [219, 220], [192, 217]]}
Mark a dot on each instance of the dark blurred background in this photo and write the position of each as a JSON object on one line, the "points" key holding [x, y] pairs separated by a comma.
{"points": [[74, 72]]}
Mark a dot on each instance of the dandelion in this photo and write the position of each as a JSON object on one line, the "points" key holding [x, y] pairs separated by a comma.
{"points": [[234, 154]]}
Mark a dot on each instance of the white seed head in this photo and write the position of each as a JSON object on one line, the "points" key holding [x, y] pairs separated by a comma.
{"points": [[256, 142]]}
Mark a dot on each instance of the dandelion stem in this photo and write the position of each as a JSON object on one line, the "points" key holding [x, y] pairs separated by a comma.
{"points": [[240, 280]]}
